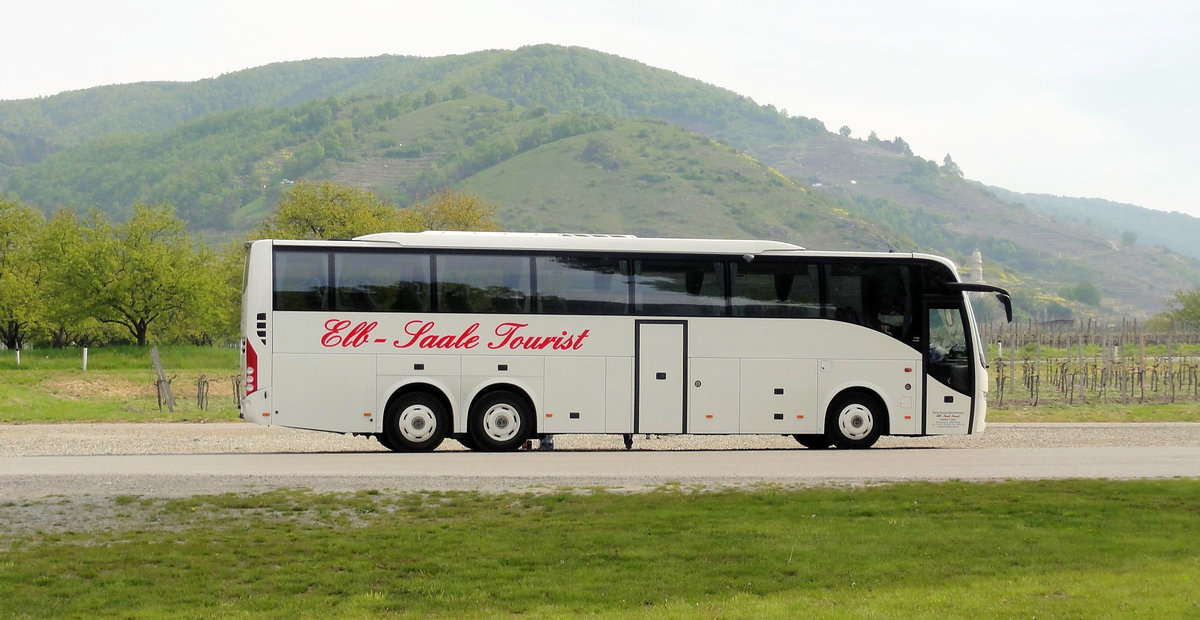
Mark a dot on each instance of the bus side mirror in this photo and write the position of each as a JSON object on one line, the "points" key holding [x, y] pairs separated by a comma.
{"points": [[973, 287], [1006, 301]]}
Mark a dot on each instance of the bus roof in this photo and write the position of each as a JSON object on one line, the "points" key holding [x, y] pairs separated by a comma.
{"points": [[567, 241], [552, 242]]}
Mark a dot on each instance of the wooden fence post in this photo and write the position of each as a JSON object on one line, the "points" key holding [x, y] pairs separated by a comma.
{"points": [[162, 382]]}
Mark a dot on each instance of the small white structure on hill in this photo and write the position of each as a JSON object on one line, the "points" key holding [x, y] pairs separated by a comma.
{"points": [[975, 273]]}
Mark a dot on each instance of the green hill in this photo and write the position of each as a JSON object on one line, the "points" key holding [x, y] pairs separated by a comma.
{"points": [[561, 139]]}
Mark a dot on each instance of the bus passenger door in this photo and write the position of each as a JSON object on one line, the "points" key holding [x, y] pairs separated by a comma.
{"points": [[660, 361], [949, 370]]}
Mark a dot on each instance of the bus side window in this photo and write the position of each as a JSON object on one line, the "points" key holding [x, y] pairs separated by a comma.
{"points": [[487, 283], [301, 280], [412, 283], [679, 287], [874, 295], [775, 289], [581, 285]]}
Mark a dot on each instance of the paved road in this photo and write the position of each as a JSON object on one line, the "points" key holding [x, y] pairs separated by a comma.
{"points": [[363, 466]]}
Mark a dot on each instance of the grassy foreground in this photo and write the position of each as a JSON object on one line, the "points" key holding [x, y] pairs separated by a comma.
{"points": [[1019, 549]]}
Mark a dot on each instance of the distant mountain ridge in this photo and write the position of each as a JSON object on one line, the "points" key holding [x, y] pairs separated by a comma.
{"points": [[563, 139], [1178, 231]]}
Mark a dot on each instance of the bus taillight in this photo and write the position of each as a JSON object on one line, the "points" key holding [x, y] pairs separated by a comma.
{"points": [[251, 369]]}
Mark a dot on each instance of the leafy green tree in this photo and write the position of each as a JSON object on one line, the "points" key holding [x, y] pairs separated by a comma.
{"points": [[1083, 292], [141, 273], [449, 210], [20, 273], [1185, 308], [327, 210], [64, 321]]}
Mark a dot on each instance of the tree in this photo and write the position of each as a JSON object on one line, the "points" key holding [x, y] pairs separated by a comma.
{"points": [[20, 271], [951, 168], [326, 210], [1185, 308], [1083, 292], [449, 210], [844, 131], [64, 321], [140, 273]]}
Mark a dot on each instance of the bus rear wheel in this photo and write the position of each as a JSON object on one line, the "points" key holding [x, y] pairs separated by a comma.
{"points": [[854, 421], [814, 442], [415, 422], [500, 421]]}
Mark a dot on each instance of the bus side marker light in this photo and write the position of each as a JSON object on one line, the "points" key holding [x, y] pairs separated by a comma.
{"points": [[907, 370], [549, 415], [708, 416], [366, 414], [266, 414], [907, 417], [800, 416]]}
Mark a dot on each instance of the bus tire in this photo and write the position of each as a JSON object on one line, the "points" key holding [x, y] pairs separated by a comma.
{"points": [[855, 420], [385, 442], [814, 442], [500, 421], [415, 422], [467, 441]]}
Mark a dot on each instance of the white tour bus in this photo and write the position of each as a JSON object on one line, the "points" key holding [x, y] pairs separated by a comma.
{"points": [[496, 338]]}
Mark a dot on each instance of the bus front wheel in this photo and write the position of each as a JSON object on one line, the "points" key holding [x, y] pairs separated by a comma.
{"points": [[854, 421], [500, 421], [415, 422]]}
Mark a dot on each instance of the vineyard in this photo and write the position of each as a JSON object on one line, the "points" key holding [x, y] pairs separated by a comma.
{"points": [[1072, 362]]}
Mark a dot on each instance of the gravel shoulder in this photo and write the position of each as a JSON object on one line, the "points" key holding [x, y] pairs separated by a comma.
{"points": [[246, 438]]}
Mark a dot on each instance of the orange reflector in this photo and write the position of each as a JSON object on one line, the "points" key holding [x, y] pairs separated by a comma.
{"points": [[549, 415], [709, 416], [266, 414], [800, 416], [366, 414], [907, 417]]}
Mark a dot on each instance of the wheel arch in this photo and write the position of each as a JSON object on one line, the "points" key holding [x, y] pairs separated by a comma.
{"points": [[506, 386], [437, 391], [885, 419]]}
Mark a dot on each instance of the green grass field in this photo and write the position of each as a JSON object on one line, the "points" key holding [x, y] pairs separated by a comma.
{"points": [[1077, 549], [118, 386]]}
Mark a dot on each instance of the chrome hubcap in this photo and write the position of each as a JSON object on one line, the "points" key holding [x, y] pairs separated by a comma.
{"points": [[855, 422], [501, 422], [417, 423]]}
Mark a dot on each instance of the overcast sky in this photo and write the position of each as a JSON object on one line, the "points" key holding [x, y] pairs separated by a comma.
{"points": [[1090, 98]]}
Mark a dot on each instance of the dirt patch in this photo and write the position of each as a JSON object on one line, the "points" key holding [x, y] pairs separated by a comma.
{"points": [[98, 387], [107, 386]]}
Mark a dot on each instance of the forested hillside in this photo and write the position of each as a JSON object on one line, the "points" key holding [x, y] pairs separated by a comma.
{"points": [[561, 139], [1177, 231]]}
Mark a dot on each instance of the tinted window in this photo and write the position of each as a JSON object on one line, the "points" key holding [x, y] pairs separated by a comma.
{"points": [[776, 289], [875, 295], [582, 285], [677, 287], [483, 283], [381, 282], [301, 280]]}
